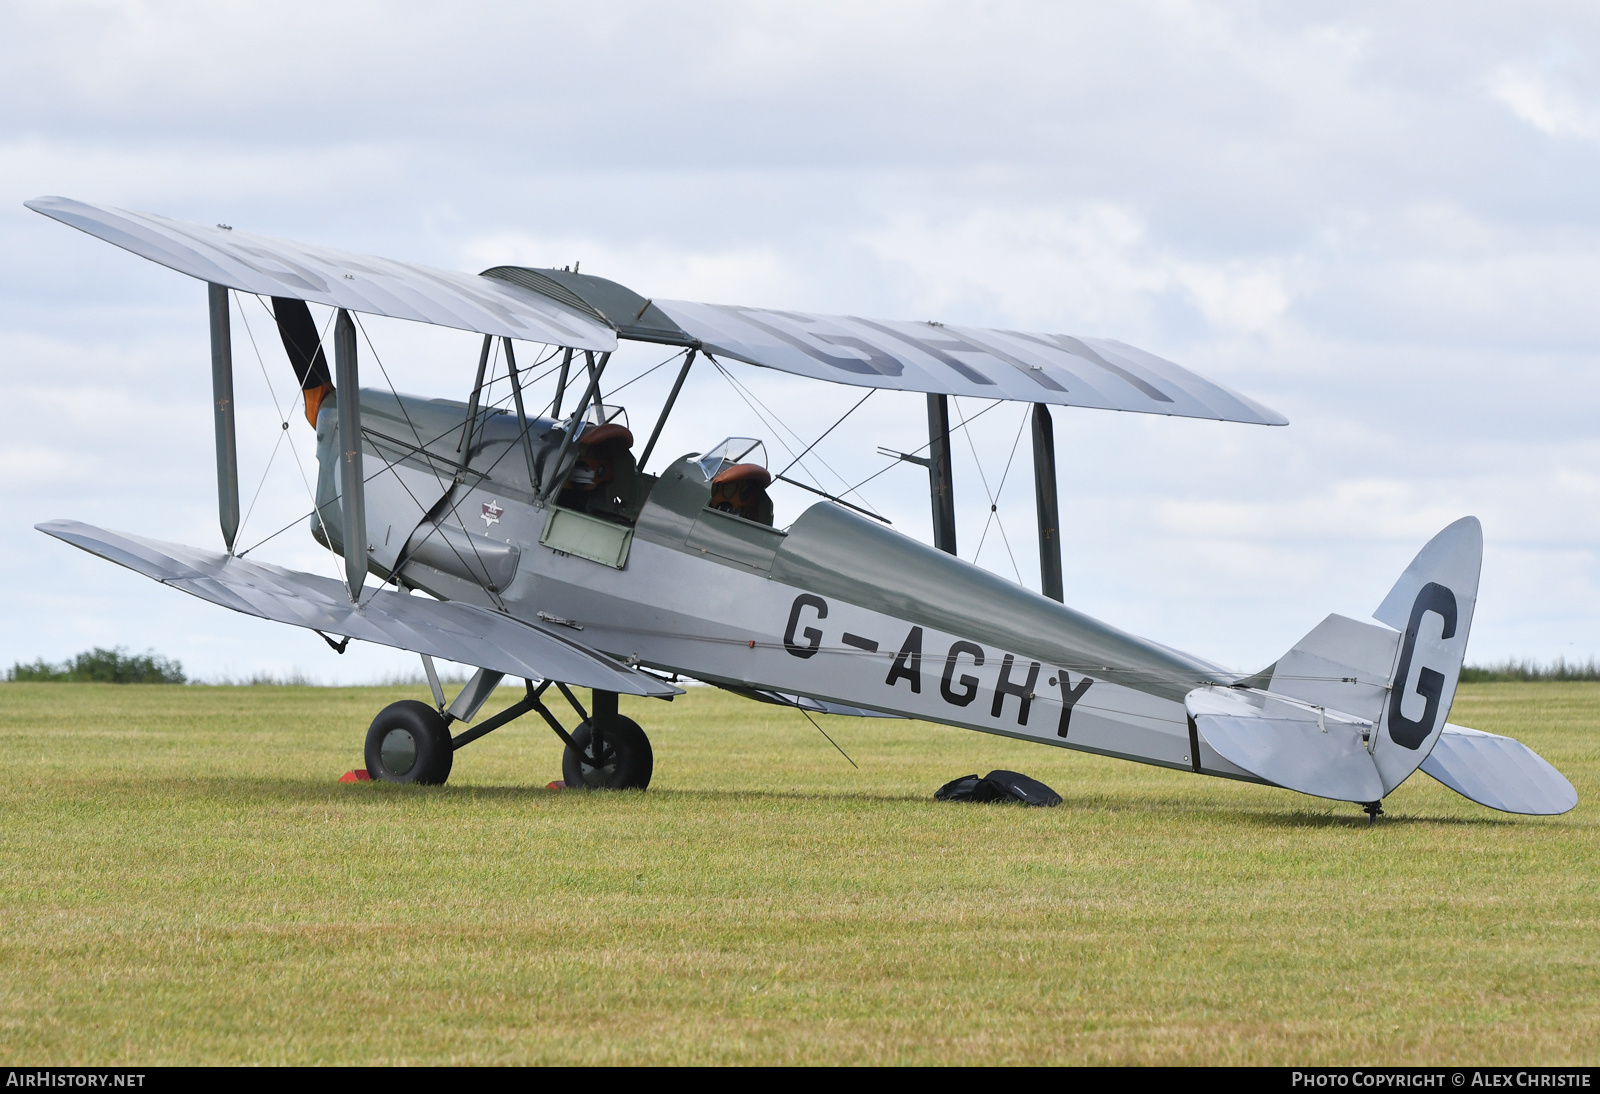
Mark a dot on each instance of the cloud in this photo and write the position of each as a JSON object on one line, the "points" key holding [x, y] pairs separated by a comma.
{"points": [[1549, 109], [1095, 269], [751, 275], [1384, 230]]}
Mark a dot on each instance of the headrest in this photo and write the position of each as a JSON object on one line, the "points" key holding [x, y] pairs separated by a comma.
{"points": [[603, 434], [744, 472]]}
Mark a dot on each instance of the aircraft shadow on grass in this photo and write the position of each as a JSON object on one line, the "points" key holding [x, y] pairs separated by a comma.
{"points": [[319, 792]]}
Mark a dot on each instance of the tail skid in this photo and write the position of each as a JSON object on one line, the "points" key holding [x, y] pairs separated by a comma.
{"points": [[1354, 708]]}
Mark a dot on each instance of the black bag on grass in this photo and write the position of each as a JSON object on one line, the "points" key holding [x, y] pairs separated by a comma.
{"points": [[998, 786]]}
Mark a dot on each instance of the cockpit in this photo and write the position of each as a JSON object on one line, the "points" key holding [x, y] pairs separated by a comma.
{"points": [[737, 471], [604, 480], [595, 496]]}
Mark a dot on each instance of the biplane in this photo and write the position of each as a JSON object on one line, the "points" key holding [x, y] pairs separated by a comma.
{"points": [[537, 545]]}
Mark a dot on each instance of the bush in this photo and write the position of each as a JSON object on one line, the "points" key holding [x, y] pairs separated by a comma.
{"points": [[104, 667], [1514, 670]]}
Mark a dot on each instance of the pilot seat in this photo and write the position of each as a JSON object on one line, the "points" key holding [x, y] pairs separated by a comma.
{"points": [[604, 480], [741, 489]]}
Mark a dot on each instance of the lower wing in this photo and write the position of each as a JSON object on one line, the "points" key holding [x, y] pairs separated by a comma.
{"points": [[440, 628]]}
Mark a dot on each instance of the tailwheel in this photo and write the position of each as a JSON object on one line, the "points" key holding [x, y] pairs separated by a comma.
{"points": [[626, 759], [409, 742]]}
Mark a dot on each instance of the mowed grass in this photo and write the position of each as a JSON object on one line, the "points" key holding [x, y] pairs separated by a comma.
{"points": [[182, 880]]}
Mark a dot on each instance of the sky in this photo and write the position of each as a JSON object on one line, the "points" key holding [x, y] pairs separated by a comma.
{"points": [[1381, 220]]}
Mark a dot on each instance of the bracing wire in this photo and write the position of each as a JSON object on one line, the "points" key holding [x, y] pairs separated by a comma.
{"points": [[283, 422], [747, 395], [775, 424], [825, 736], [648, 371], [422, 444], [265, 471], [924, 447], [438, 479], [767, 415], [416, 434], [870, 393], [388, 464], [1001, 489], [994, 508], [776, 435], [818, 456]]}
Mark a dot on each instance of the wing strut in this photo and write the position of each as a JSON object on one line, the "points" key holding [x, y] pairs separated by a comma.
{"points": [[576, 426], [352, 487], [222, 405], [522, 416], [465, 444], [561, 383], [677, 386], [941, 486], [1047, 500]]}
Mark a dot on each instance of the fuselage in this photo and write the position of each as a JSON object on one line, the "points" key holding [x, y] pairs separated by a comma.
{"points": [[834, 607]]}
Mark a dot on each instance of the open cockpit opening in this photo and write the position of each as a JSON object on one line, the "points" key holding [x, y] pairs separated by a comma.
{"points": [[605, 480], [739, 478]]}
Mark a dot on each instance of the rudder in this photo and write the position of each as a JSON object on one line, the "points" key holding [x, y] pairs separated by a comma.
{"points": [[1431, 606]]}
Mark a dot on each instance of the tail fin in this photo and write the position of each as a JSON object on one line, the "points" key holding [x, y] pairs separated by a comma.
{"points": [[1343, 664], [1354, 708], [1431, 606]]}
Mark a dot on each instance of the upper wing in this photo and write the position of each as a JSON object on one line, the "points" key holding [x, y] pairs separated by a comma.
{"points": [[449, 629], [987, 364], [930, 357], [361, 283]]}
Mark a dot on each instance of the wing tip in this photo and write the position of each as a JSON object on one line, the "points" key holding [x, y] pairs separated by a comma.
{"points": [[56, 527], [50, 204]]}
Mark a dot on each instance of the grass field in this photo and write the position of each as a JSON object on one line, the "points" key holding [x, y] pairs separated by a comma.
{"points": [[183, 881]]}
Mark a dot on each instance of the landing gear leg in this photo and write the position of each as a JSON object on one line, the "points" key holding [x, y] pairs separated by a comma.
{"points": [[611, 753], [1374, 810], [604, 704], [626, 761]]}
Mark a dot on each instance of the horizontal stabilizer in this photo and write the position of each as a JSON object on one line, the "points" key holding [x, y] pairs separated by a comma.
{"points": [[322, 275], [1318, 752], [454, 631], [1498, 772]]}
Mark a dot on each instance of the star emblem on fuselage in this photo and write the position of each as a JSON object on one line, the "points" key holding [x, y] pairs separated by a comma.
{"points": [[491, 514]]}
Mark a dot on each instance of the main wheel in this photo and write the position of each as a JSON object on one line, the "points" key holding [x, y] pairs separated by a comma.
{"points": [[409, 743], [626, 758]]}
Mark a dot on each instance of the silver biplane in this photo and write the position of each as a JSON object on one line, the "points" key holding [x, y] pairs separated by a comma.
{"points": [[539, 546]]}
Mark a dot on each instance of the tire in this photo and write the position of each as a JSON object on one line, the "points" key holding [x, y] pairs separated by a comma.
{"points": [[629, 760], [409, 742]]}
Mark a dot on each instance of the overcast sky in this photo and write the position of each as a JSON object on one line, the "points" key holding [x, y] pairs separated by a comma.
{"points": [[1381, 220]]}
